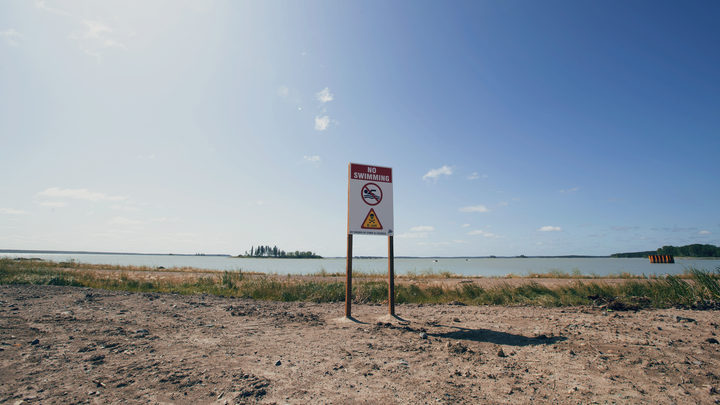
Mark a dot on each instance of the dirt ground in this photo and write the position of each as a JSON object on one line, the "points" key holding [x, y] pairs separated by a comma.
{"points": [[79, 345]]}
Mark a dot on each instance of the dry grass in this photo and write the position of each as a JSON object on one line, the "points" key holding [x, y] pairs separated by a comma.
{"points": [[696, 288]]}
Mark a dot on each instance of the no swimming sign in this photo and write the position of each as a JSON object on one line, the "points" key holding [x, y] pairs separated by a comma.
{"points": [[370, 200]]}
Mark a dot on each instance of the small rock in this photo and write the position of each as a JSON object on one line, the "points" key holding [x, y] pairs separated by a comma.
{"points": [[456, 319], [96, 358], [457, 303], [423, 335], [142, 332], [35, 342], [278, 363], [711, 340], [678, 318], [501, 353], [543, 336]]}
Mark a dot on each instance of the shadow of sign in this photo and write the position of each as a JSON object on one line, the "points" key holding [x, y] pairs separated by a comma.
{"points": [[500, 338]]}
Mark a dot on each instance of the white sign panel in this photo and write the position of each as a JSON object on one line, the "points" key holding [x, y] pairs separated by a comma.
{"points": [[370, 200]]}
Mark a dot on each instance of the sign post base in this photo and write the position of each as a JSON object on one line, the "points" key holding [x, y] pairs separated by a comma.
{"points": [[391, 276], [348, 277]]}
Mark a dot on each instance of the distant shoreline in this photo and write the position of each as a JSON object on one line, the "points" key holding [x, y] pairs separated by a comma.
{"points": [[82, 252]]}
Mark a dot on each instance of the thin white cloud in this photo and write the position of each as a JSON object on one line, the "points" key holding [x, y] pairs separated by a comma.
{"points": [[321, 123], [412, 235], [52, 204], [422, 229], [163, 219], [324, 96], [492, 235], [568, 191], [80, 194], [550, 229], [464, 225], [435, 173], [123, 208], [472, 176], [283, 91], [433, 244], [96, 34], [312, 160], [9, 36], [41, 5], [110, 42], [95, 29], [476, 208], [11, 211], [93, 54], [476, 232], [124, 221], [704, 233]]}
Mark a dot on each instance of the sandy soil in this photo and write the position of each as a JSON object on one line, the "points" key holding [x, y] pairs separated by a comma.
{"points": [[78, 345]]}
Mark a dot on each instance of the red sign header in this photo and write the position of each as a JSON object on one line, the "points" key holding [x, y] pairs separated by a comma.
{"points": [[370, 173]]}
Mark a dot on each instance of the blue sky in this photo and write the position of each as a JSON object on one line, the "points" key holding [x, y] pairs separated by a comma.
{"points": [[512, 127]]}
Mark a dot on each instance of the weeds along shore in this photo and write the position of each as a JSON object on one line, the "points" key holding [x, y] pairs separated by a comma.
{"points": [[696, 288]]}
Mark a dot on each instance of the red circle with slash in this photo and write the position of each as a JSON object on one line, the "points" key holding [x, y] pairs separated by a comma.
{"points": [[371, 194]]}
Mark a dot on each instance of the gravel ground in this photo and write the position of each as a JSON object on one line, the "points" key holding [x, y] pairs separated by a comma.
{"points": [[80, 345]]}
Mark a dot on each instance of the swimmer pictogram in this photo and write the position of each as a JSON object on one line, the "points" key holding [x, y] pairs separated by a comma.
{"points": [[372, 194]]}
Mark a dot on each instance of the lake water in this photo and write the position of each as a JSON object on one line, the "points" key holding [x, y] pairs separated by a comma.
{"points": [[470, 267]]}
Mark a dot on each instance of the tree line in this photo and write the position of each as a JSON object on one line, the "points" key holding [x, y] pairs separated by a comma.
{"points": [[695, 250], [267, 251]]}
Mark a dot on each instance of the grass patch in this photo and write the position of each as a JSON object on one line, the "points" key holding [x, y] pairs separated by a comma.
{"points": [[695, 288]]}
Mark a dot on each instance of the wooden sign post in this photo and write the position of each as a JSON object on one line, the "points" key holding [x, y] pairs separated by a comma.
{"points": [[391, 276], [370, 212]]}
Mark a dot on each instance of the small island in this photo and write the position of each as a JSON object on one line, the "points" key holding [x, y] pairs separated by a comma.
{"points": [[275, 253]]}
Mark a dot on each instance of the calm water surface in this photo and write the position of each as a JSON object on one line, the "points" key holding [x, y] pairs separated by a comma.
{"points": [[470, 267]]}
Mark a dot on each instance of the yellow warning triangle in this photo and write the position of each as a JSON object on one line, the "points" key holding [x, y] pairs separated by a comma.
{"points": [[371, 221]]}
